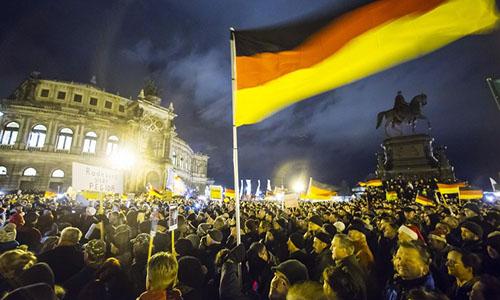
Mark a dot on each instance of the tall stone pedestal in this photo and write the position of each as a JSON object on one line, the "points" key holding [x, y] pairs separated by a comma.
{"points": [[413, 156]]}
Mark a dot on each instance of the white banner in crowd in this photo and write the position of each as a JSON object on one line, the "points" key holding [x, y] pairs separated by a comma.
{"points": [[96, 179]]}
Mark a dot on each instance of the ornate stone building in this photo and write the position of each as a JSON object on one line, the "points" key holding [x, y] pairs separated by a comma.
{"points": [[46, 125]]}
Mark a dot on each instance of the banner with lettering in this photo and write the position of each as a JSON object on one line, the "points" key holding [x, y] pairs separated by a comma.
{"points": [[96, 179]]}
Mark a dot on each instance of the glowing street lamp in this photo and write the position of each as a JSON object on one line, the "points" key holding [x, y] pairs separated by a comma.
{"points": [[124, 159], [298, 186]]}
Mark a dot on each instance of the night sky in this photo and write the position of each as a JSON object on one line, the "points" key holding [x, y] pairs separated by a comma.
{"points": [[184, 46]]}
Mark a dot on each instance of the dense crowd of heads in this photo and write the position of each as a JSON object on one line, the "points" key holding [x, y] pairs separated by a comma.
{"points": [[367, 248]]}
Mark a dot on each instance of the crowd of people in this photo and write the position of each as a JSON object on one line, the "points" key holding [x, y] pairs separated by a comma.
{"points": [[367, 248]]}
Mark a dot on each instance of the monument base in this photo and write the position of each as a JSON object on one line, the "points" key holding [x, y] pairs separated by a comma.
{"points": [[413, 156]]}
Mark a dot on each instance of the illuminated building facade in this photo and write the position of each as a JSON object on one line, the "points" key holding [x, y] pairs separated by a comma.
{"points": [[46, 125]]}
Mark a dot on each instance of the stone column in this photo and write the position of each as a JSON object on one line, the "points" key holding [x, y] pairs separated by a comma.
{"points": [[23, 134], [51, 138]]}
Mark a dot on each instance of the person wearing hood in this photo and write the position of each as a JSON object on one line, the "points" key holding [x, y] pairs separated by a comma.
{"points": [[191, 277]]}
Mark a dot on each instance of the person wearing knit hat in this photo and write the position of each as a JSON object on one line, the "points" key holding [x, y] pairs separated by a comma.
{"points": [[492, 262], [94, 253], [471, 231], [406, 234], [330, 229], [296, 250], [471, 210], [322, 256], [38, 273], [472, 237], [316, 220], [286, 274], [214, 236], [191, 275], [297, 240]]}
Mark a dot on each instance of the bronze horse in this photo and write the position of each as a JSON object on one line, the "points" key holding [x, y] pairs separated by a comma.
{"points": [[404, 113]]}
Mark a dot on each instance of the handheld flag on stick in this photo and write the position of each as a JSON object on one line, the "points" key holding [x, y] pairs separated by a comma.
{"points": [[320, 191], [279, 66], [374, 183], [445, 189], [424, 201], [470, 194]]}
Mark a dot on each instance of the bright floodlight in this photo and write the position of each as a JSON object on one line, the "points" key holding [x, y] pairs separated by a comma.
{"points": [[124, 159], [298, 186]]}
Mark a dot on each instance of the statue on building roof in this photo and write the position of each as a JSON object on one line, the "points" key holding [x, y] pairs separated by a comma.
{"points": [[151, 88]]}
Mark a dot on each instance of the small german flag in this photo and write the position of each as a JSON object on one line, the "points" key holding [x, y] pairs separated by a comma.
{"points": [[470, 193], [49, 194], [229, 193], [391, 195], [276, 67], [445, 189], [424, 201], [374, 183]]}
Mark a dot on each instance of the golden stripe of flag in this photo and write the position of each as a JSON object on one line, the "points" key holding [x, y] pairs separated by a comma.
{"points": [[424, 201], [276, 67]]}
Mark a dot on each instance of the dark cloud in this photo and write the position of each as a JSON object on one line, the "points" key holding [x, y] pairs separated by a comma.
{"points": [[184, 46]]}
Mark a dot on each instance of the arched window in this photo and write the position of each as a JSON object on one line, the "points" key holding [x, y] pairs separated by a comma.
{"points": [[29, 172], [64, 139], [174, 158], [58, 173], [37, 136], [3, 171], [112, 147], [9, 133], [90, 142]]}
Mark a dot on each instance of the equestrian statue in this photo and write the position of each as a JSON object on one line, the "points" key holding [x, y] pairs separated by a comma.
{"points": [[403, 114]]}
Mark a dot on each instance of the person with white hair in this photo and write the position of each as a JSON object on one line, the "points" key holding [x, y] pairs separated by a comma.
{"points": [[66, 259]]}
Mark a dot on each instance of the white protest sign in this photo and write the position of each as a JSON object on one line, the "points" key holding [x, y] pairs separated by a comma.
{"points": [[291, 200], [96, 179], [173, 217]]}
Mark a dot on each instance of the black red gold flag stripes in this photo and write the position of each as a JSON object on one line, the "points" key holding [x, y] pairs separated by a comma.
{"points": [[279, 66]]}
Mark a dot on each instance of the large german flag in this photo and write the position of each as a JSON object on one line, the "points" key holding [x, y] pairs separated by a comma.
{"points": [[276, 67], [320, 191]]}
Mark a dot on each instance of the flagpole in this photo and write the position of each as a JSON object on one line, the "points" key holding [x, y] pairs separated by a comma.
{"points": [[235, 136]]}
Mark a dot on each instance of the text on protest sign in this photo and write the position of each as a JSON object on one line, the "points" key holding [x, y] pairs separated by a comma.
{"points": [[96, 179]]}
